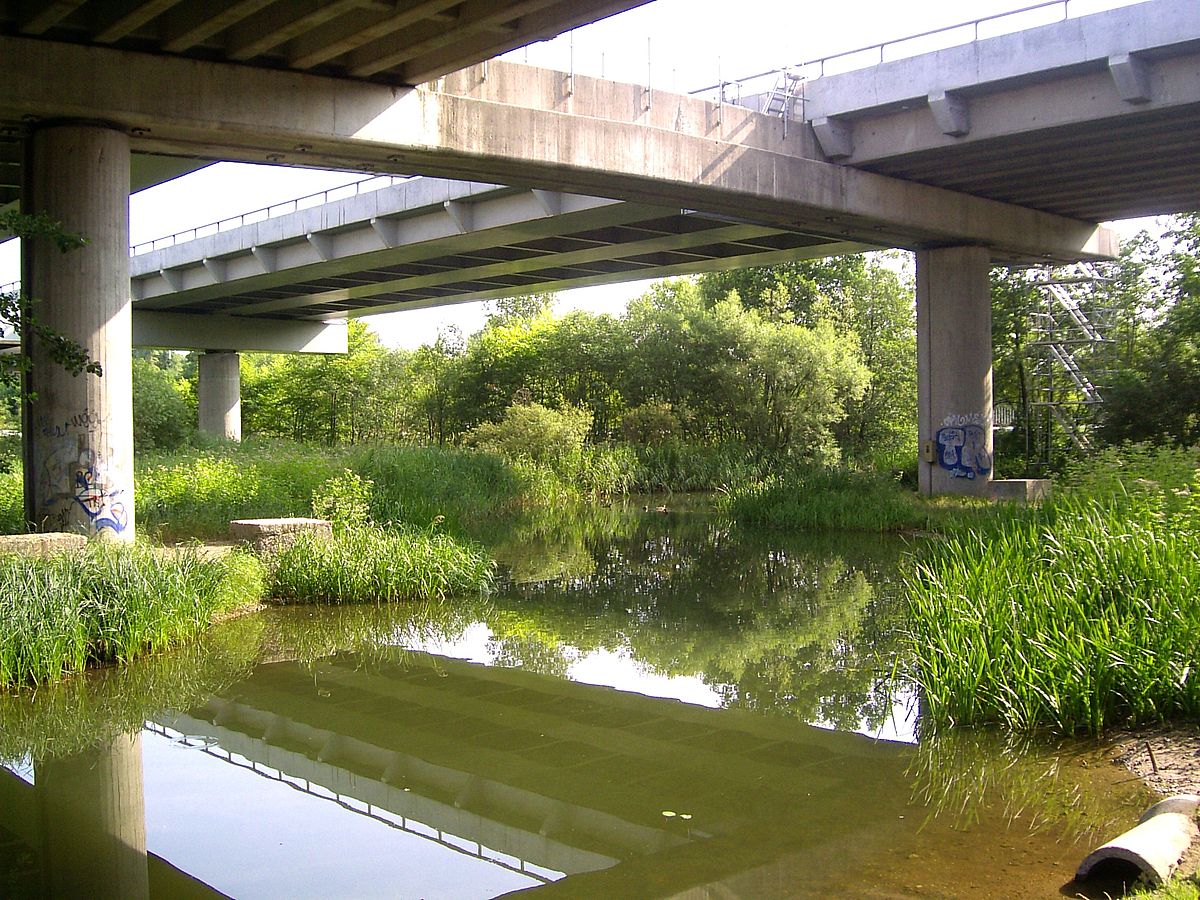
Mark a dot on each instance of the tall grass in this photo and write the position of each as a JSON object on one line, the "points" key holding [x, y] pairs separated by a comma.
{"points": [[197, 492], [1118, 474], [12, 502], [415, 485], [375, 565], [820, 498], [110, 604], [1079, 617], [681, 466]]}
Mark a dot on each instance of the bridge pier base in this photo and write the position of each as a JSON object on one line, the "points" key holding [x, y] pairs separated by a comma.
{"points": [[219, 395], [78, 429], [954, 371]]}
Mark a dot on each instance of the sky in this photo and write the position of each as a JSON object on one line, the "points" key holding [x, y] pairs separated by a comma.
{"points": [[677, 45]]}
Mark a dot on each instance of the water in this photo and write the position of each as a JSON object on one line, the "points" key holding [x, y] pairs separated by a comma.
{"points": [[653, 706]]}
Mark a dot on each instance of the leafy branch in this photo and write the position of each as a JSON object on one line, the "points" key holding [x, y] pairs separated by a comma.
{"points": [[17, 309]]}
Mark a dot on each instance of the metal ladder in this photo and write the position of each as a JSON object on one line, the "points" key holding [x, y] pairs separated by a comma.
{"points": [[1070, 322], [781, 99]]}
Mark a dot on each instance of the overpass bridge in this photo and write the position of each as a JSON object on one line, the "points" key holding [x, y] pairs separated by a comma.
{"points": [[871, 162]]}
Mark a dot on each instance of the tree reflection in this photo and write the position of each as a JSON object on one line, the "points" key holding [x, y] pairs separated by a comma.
{"points": [[799, 626]]}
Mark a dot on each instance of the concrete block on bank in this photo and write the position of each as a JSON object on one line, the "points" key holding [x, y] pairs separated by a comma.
{"points": [[1029, 491], [272, 535], [1154, 846], [44, 544]]}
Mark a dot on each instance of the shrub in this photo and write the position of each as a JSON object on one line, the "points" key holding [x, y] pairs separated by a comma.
{"points": [[344, 499], [651, 424], [534, 432]]}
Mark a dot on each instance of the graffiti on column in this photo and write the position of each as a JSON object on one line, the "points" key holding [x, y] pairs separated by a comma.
{"points": [[98, 495], [76, 477], [962, 446]]}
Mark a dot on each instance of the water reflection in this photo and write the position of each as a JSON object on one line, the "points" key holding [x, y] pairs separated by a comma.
{"points": [[452, 751], [798, 626]]}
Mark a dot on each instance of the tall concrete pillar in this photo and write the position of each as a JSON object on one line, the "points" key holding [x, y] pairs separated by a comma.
{"points": [[954, 371], [78, 429], [92, 813], [219, 395]]}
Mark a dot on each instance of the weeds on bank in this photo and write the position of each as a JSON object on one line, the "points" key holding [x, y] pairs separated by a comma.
{"points": [[377, 565], [818, 499], [110, 604], [1078, 617], [1177, 889]]}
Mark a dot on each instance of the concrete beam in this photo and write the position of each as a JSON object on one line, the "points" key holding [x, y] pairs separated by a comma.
{"points": [[1131, 75], [247, 114], [950, 113], [188, 331], [1128, 91]]}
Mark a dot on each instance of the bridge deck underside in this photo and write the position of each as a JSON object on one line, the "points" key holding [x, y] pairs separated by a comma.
{"points": [[1137, 165], [386, 41], [489, 242]]}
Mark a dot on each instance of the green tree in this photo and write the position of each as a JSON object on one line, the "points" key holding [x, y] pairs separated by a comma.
{"points": [[332, 398], [433, 376], [164, 410], [860, 295], [1157, 395]]}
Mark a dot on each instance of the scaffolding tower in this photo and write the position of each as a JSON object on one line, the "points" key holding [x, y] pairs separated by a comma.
{"points": [[1071, 365]]}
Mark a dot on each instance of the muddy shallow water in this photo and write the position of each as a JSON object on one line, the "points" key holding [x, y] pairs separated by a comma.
{"points": [[652, 706]]}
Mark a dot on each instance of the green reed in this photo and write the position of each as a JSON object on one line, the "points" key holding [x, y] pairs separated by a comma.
{"points": [[377, 565], [1079, 617], [110, 603], [821, 498]]}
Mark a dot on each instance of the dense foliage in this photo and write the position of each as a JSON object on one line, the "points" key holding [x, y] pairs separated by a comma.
{"points": [[690, 364]]}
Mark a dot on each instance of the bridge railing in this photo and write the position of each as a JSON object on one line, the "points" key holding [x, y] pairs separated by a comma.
{"points": [[910, 45], [341, 192]]}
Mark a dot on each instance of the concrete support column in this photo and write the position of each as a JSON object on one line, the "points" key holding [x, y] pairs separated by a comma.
{"points": [[219, 395], [954, 370], [78, 430], [92, 813]]}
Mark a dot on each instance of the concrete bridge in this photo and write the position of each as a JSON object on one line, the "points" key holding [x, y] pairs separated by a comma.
{"points": [[946, 154]]}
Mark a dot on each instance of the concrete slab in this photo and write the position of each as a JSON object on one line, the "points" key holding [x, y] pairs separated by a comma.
{"points": [[45, 544], [1029, 491], [274, 535]]}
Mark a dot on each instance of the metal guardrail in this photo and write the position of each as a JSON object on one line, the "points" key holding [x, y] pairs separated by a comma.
{"points": [[341, 192], [875, 54]]}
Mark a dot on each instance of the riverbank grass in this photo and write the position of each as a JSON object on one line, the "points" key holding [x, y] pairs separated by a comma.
{"points": [[822, 498], [1079, 617], [111, 603], [371, 564]]}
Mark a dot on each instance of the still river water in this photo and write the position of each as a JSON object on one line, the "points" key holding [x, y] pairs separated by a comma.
{"points": [[653, 705]]}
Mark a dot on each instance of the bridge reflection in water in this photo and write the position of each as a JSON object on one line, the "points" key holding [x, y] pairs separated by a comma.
{"points": [[546, 776], [538, 776]]}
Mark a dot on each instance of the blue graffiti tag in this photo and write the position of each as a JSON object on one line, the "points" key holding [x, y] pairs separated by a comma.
{"points": [[962, 451], [102, 505]]}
